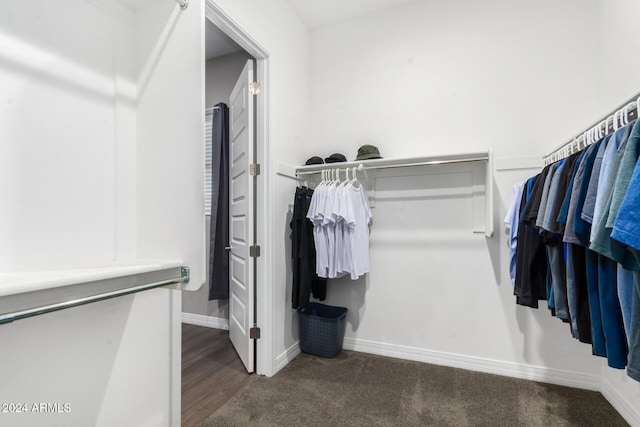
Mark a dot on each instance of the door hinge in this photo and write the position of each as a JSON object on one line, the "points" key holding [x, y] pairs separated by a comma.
{"points": [[254, 333], [254, 251], [254, 169], [254, 88]]}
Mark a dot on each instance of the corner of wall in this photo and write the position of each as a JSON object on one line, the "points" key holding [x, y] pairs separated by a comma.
{"points": [[630, 411]]}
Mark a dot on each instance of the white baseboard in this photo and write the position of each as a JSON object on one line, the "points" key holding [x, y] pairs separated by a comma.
{"points": [[628, 411], [286, 357], [207, 321], [490, 366]]}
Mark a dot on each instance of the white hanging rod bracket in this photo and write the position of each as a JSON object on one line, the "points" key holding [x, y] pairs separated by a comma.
{"points": [[184, 4]]}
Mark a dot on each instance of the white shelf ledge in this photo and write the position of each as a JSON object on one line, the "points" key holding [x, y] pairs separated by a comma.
{"points": [[480, 156], [483, 221], [30, 281]]}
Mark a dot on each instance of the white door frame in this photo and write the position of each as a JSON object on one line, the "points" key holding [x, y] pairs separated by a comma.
{"points": [[265, 319]]}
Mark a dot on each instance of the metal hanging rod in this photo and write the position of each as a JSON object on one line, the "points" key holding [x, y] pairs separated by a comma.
{"points": [[619, 117], [36, 311], [359, 167], [184, 4], [362, 166]]}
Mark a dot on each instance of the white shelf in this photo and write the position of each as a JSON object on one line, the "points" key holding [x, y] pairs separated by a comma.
{"points": [[482, 185], [31, 281], [480, 156]]}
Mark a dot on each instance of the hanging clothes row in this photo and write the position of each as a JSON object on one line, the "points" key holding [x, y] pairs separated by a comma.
{"points": [[330, 234], [575, 242], [341, 216]]}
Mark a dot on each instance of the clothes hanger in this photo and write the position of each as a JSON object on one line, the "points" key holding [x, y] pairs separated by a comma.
{"points": [[323, 182], [588, 140], [354, 181], [344, 183], [332, 180], [349, 180]]}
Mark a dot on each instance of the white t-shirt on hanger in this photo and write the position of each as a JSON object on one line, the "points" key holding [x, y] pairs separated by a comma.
{"points": [[359, 240], [316, 215], [329, 228], [342, 216]]}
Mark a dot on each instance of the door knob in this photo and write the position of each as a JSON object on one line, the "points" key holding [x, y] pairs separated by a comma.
{"points": [[228, 248]]}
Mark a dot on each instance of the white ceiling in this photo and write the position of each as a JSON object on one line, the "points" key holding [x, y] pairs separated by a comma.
{"points": [[316, 14]]}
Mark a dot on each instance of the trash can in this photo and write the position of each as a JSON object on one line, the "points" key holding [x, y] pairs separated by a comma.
{"points": [[322, 329]]}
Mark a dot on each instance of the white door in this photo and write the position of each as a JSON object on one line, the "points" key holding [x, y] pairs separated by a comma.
{"points": [[241, 233]]}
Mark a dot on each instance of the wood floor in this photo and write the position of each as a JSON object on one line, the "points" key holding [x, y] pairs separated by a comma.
{"points": [[212, 373]]}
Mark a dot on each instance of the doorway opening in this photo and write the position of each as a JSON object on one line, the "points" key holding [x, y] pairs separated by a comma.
{"points": [[228, 49], [224, 61]]}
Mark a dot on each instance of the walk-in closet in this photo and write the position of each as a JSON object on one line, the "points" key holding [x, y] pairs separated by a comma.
{"points": [[128, 298]]}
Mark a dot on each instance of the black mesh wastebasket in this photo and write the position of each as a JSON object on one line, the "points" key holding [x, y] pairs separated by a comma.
{"points": [[322, 329]]}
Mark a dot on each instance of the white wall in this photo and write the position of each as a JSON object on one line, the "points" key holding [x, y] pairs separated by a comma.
{"points": [[170, 219], [618, 38], [445, 77], [101, 162], [108, 362], [433, 77], [58, 106], [619, 80]]}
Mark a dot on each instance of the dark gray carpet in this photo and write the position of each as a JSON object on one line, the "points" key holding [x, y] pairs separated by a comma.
{"points": [[358, 389]]}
